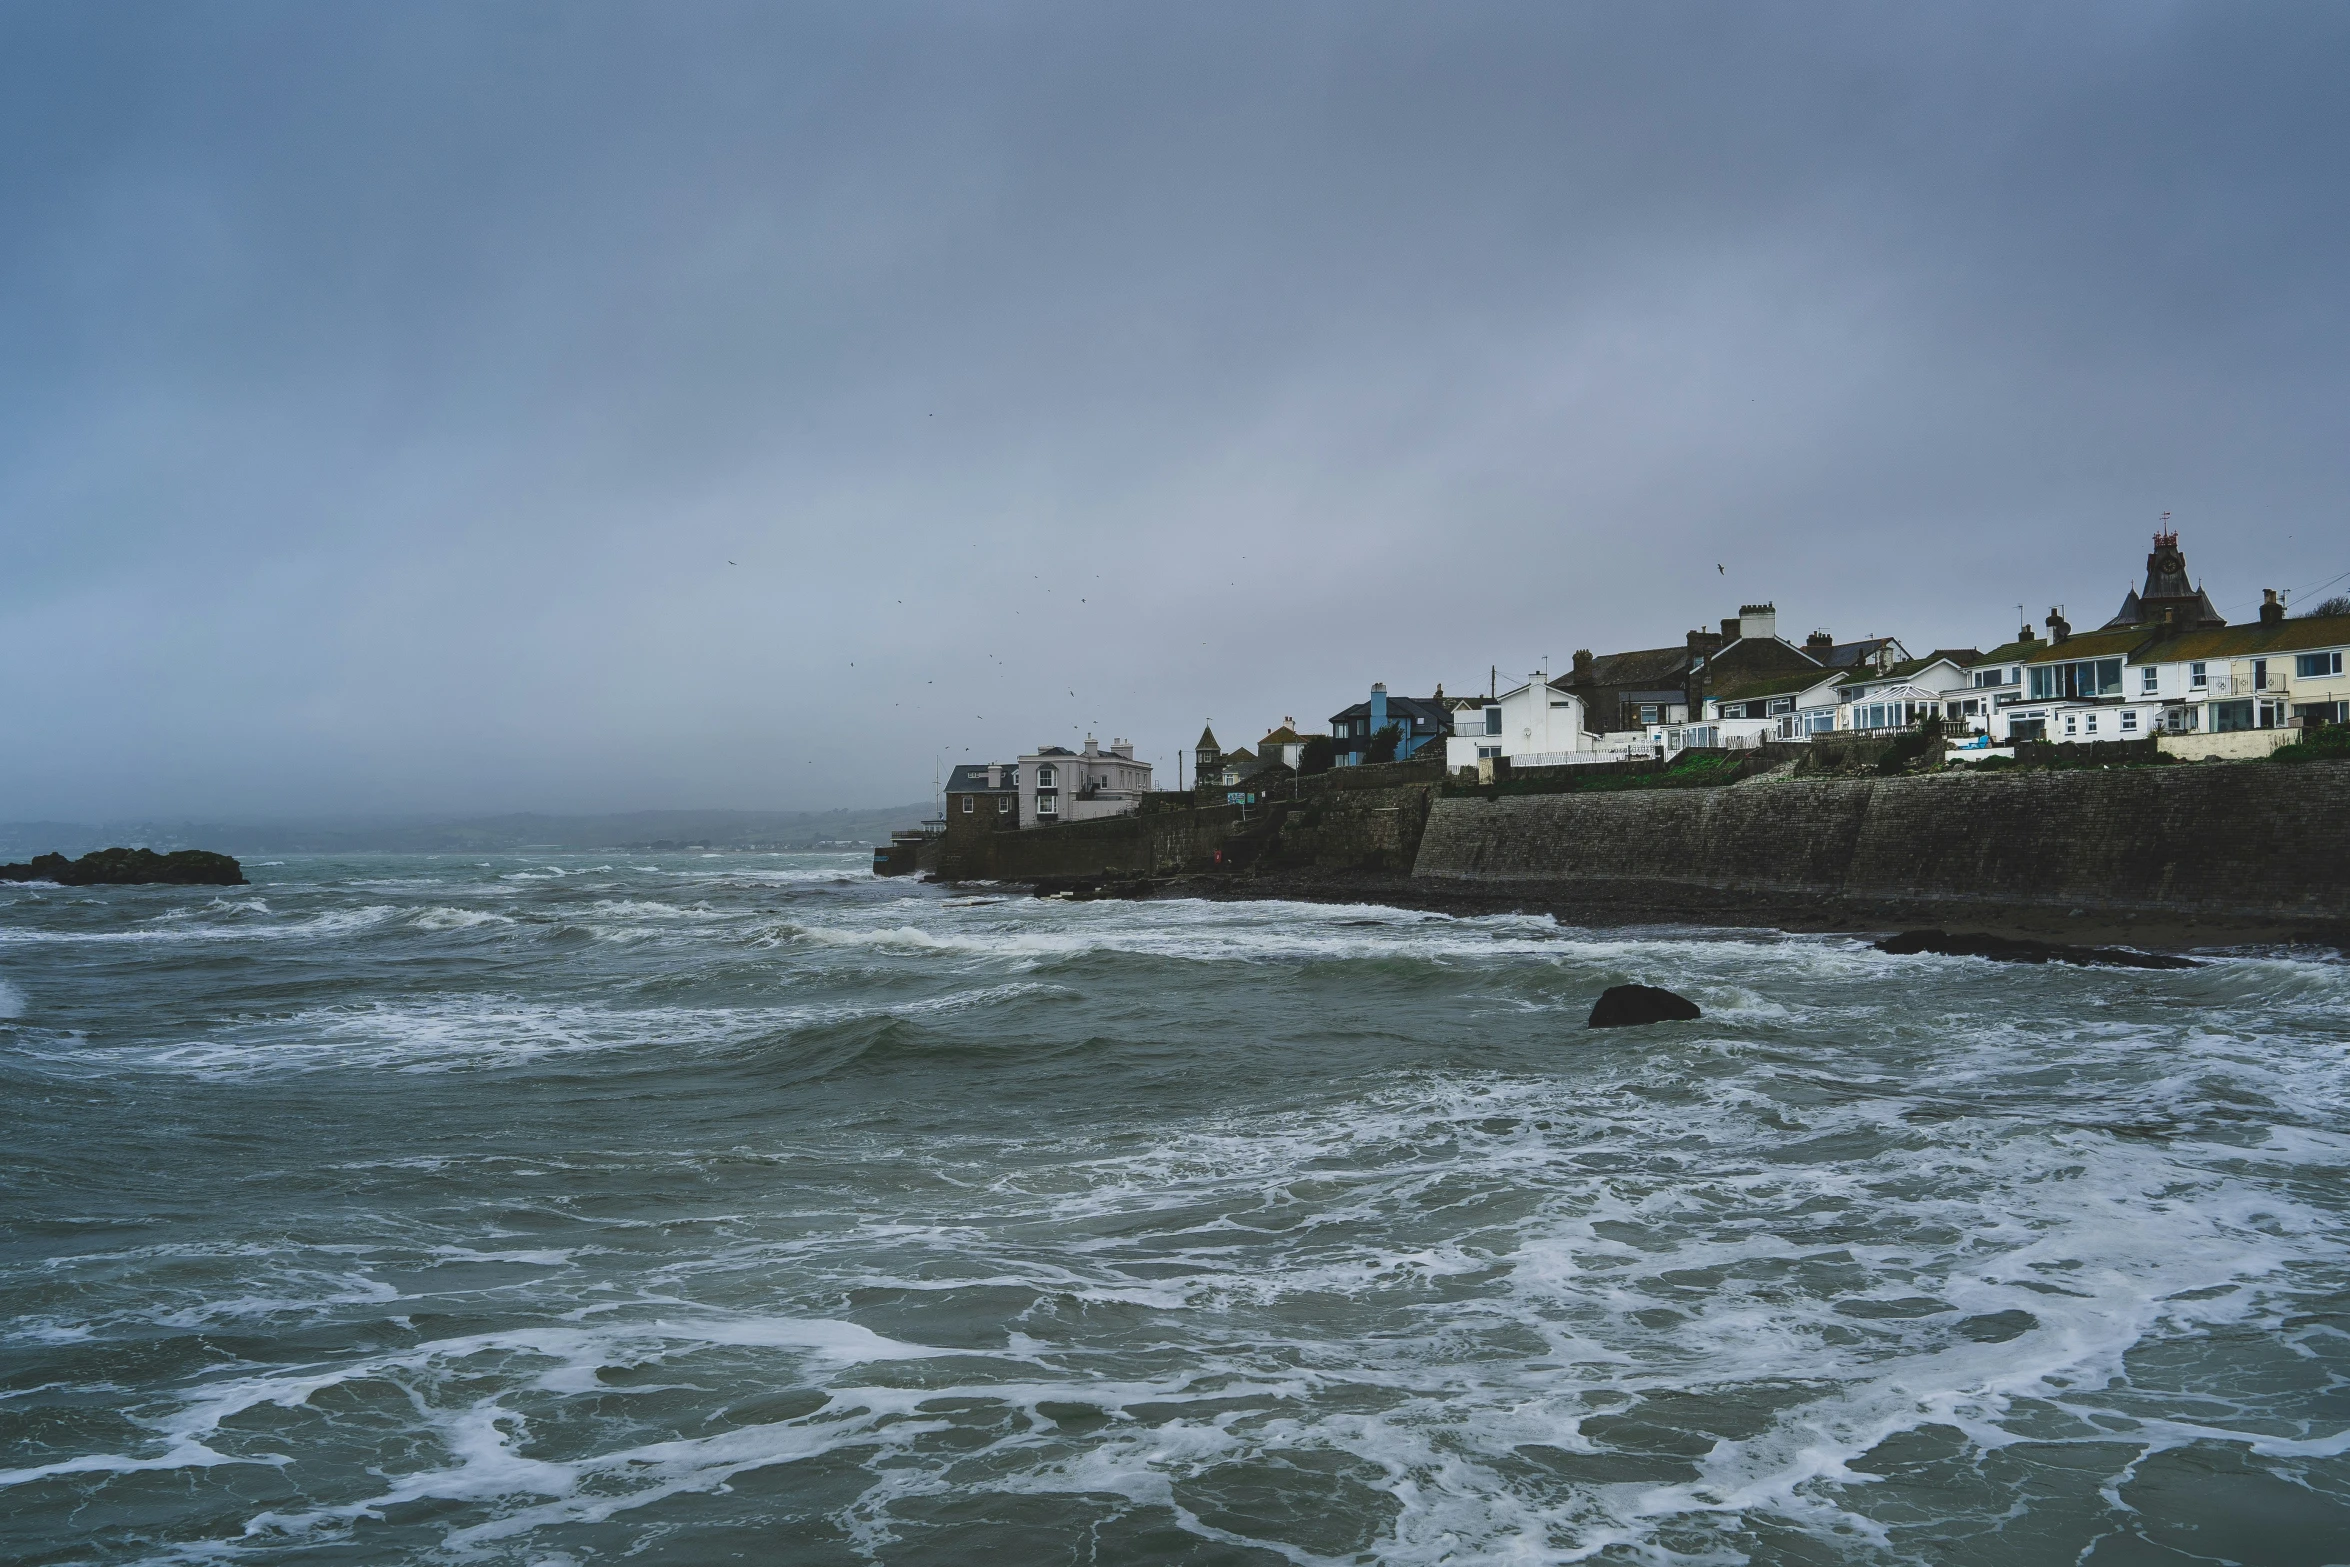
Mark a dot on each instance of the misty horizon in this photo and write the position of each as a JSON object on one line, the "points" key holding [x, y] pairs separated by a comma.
{"points": [[460, 410]]}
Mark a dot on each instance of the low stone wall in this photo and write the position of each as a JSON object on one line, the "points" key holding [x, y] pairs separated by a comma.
{"points": [[2235, 746], [1152, 843], [2248, 842]]}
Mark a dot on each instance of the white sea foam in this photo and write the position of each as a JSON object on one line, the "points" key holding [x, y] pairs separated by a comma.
{"points": [[466, 1032], [12, 1002], [443, 917]]}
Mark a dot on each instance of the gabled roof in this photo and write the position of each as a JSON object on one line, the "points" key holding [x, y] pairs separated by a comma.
{"points": [[1906, 668], [1846, 654], [1281, 736], [1963, 657], [1423, 708], [2093, 644], [2284, 636], [1052, 750], [1642, 667]]}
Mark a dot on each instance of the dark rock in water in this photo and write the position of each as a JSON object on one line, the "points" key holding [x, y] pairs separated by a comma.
{"points": [[2004, 950], [1628, 1006], [131, 868]]}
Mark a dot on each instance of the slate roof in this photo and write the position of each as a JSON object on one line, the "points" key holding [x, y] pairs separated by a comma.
{"points": [[971, 778], [1427, 710], [1844, 655], [1644, 667], [2013, 652], [1281, 736]]}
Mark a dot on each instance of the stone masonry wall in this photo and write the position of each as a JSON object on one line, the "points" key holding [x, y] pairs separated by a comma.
{"points": [[2250, 840]]}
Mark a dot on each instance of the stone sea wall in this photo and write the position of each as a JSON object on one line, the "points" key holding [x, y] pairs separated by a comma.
{"points": [[2251, 841]]}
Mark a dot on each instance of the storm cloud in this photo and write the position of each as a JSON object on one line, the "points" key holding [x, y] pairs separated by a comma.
{"points": [[579, 406]]}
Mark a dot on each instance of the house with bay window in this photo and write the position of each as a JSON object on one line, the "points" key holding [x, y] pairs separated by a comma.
{"points": [[2076, 688], [1057, 784]]}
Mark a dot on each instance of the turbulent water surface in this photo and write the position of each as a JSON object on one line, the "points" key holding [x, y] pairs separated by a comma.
{"points": [[744, 1207]]}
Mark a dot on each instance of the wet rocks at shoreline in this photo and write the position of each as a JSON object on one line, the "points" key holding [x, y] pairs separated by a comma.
{"points": [[2004, 949], [131, 868]]}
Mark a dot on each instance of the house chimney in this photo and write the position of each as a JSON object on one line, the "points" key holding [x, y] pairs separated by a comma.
{"points": [[1093, 747], [2027, 635], [2272, 608], [995, 776], [2058, 627], [1729, 628], [1819, 645], [1758, 620], [1708, 641], [1582, 666]]}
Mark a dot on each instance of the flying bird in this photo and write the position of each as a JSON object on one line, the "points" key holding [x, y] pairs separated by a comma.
{"points": [[1724, 570]]}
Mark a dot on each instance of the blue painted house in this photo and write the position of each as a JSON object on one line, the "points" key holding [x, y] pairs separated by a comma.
{"points": [[1418, 721]]}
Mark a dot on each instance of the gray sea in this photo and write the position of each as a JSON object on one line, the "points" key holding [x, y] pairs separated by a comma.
{"points": [[746, 1208]]}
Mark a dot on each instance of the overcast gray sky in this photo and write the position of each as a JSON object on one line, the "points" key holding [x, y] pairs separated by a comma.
{"points": [[585, 406]]}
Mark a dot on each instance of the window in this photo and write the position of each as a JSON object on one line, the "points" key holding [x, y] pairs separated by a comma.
{"points": [[2090, 677], [1782, 704], [2027, 729], [2146, 681], [1003, 805], [2312, 714], [2196, 677], [1044, 775], [1048, 805], [1820, 722], [2227, 717], [2316, 666], [2092, 723], [2130, 721], [970, 803], [1648, 713], [1493, 720], [1488, 750], [2072, 723]]}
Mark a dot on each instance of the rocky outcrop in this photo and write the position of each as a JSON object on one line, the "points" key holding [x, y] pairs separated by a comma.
{"points": [[131, 868], [1630, 1006], [2004, 950]]}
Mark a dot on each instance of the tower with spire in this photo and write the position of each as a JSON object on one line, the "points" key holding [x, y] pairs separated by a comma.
{"points": [[2168, 597], [1207, 758]]}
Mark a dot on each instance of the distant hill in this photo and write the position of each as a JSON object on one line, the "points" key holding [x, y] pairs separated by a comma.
{"points": [[650, 830]]}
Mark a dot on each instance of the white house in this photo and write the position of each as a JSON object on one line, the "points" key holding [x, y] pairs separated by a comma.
{"points": [[2261, 676], [1538, 724], [1061, 785]]}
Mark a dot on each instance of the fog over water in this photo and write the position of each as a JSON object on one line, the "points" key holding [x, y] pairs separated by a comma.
{"points": [[592, 407]]}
